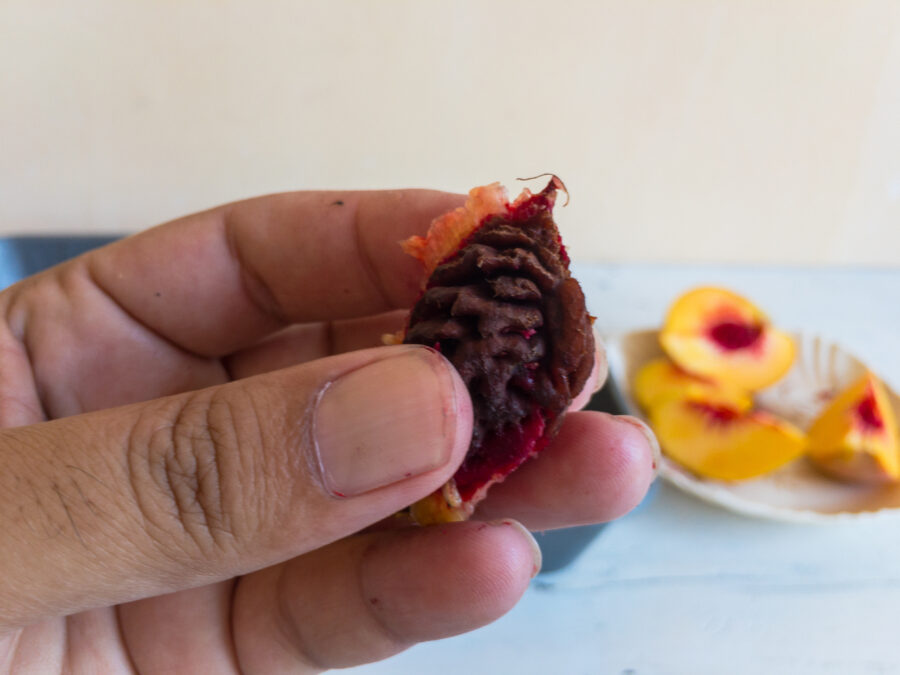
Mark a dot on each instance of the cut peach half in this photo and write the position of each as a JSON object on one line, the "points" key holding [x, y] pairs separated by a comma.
{"points": [[722, 442], [661, 380], [855, 437], [718, 334]]}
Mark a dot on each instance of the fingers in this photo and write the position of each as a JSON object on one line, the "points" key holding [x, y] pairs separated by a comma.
{"points": [[598, 468], [149, 498], [194, 625], [218, 281], [595, 380], [306, 342], [188, 292], [371, 596], [309, 341]]}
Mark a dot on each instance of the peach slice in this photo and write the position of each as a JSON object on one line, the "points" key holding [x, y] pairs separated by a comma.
{"points": [[718, 334], [855, 437], [660, 380], [722, 442]]}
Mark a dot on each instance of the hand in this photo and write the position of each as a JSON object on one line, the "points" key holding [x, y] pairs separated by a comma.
{"points": [[192, 450]]}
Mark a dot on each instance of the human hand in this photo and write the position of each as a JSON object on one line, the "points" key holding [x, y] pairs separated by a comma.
{"points": [[193, 453]]}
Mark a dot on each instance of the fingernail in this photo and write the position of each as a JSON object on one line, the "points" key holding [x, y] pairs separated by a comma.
{"points": [[536, 555], [648, 433], [385, 422], [601, 367], [595, 380]]}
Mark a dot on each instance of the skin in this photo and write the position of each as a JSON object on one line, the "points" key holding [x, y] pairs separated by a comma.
{"points": [[222, 329]]}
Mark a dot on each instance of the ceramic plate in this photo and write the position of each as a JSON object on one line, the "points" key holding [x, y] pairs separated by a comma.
{"points": [[797, 492]]}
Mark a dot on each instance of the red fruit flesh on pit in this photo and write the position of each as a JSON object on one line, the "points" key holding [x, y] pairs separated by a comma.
{"points": [[501, 305]]}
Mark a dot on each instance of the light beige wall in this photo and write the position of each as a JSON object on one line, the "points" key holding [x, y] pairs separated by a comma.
{"points": [[704, 130]]}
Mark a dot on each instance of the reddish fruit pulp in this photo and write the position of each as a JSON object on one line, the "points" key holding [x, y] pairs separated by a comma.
{"points": [[734, 335], [499, 455], [868, 414], [716, 414]]}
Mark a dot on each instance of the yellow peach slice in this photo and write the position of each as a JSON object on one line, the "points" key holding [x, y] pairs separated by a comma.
{"points": [[715, 333], [660, 380], [855, 437], [724, 443]]}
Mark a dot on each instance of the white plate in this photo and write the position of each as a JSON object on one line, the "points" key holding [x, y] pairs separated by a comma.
{"points": [[797, 492]]}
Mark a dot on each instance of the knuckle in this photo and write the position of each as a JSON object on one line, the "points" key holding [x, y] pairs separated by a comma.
{"points": [[192, 475]]}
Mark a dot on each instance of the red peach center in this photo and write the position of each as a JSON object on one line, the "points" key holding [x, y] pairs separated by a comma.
{"points": [[715, 414], [734, 335], [868, 414]]}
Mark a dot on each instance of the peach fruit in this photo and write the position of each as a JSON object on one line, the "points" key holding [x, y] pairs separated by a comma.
{"points": [[855, 437], [718, 334], [660, 380], [720, 441]]}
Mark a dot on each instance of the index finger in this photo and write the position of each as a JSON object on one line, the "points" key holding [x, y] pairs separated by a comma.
{"points": [[219, 280]]}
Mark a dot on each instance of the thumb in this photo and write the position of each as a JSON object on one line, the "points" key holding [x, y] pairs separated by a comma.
{"points": [[129, 502]]}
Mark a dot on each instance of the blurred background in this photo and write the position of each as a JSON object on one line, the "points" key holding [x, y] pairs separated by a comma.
{"points": [[745, 131]]}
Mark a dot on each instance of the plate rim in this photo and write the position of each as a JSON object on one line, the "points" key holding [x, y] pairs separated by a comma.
{"points": [[712, 491]]}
